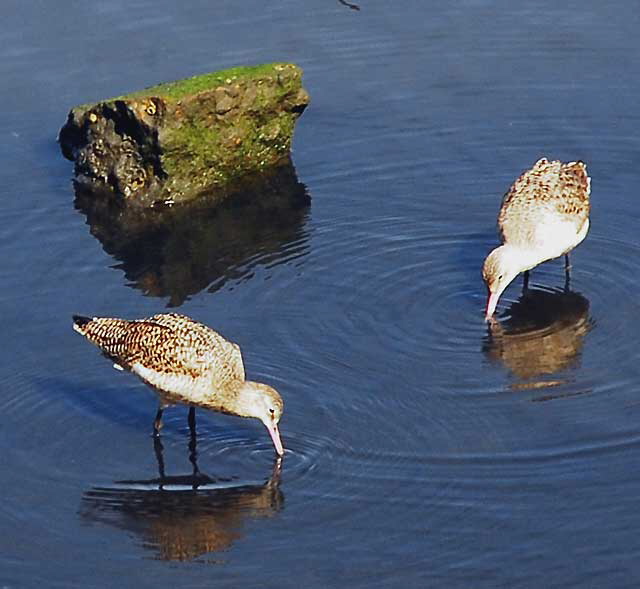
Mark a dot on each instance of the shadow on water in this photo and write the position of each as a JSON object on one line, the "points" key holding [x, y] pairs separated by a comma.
{"points": [[181, 517], [542, 334], [178, 251]]}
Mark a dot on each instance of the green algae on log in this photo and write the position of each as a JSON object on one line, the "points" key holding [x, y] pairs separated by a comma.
{"points": [[172, 142]]}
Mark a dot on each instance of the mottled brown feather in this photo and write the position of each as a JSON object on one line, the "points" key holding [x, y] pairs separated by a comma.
{"points": [[549, 187], [168, 343]]}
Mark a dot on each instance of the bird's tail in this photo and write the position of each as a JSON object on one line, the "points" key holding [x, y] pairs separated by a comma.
{"points": [[578, 173], [80, 322], [107, 333]]}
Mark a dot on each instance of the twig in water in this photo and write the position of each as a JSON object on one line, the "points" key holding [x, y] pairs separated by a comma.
{"points": [[349, 4]]}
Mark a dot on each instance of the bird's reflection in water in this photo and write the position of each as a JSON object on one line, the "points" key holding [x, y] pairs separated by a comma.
{"points": [[540, 335], [183, 517], [178, 251]]}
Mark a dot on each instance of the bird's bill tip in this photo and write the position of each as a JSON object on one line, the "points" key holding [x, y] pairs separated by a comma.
{"points": [[275, 438], [492, 303]]}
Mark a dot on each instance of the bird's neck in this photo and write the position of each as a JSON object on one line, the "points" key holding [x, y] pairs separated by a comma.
{"points": [[241, 397]]}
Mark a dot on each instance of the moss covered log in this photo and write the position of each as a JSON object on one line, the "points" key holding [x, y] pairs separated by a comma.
{"points": [[172, 142]]}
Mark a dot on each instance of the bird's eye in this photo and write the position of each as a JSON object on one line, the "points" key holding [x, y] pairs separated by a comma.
{"points": [[500, 277], [272, 411]]}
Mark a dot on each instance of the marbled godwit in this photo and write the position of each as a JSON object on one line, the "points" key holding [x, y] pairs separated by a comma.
{"points": [[185, 362], [544, 215]]}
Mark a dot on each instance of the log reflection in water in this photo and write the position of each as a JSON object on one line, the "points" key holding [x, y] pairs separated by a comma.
{"points": [[178, 251]]}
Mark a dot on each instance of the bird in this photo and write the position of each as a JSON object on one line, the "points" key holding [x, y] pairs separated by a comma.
{"points": [[185, 362], [544, 215]]}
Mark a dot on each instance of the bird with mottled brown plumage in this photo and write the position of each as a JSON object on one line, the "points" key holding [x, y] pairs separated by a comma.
{"points": [[544, 215], [185, 362]]}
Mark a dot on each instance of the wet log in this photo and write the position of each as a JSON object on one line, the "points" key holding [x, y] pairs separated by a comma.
{"points": [[173, 142]]}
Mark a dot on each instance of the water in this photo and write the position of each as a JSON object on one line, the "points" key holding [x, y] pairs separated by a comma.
{"points": [[424, 447]]}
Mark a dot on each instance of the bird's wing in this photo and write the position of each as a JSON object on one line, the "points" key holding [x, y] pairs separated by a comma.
{"points": [[573, 193], [202, 350], [168, 344], [550, 192], [131, 342], [238, 363], [227, 365]]}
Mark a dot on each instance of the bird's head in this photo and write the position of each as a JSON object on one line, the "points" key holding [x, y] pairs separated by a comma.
{"points": [[259, 400], [501, 266]]}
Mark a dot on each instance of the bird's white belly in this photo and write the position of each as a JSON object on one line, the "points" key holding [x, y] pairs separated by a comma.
{"points": [[558, 237], [184, 386]]}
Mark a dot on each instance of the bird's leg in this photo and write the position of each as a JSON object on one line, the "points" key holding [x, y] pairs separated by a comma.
{"points": [[157, 447], [567, 272], [525, 282], [193, 441], [157, 422], [192, 420]]}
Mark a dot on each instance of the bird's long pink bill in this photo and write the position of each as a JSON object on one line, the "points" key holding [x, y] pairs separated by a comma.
{"points": [[275, 437], [492, 303]]}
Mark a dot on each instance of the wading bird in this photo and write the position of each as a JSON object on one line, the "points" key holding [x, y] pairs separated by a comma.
{"points": [[185, 362], [544, 215]]}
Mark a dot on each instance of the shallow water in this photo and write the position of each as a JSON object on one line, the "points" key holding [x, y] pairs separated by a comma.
{"points": [[424, 447]]}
